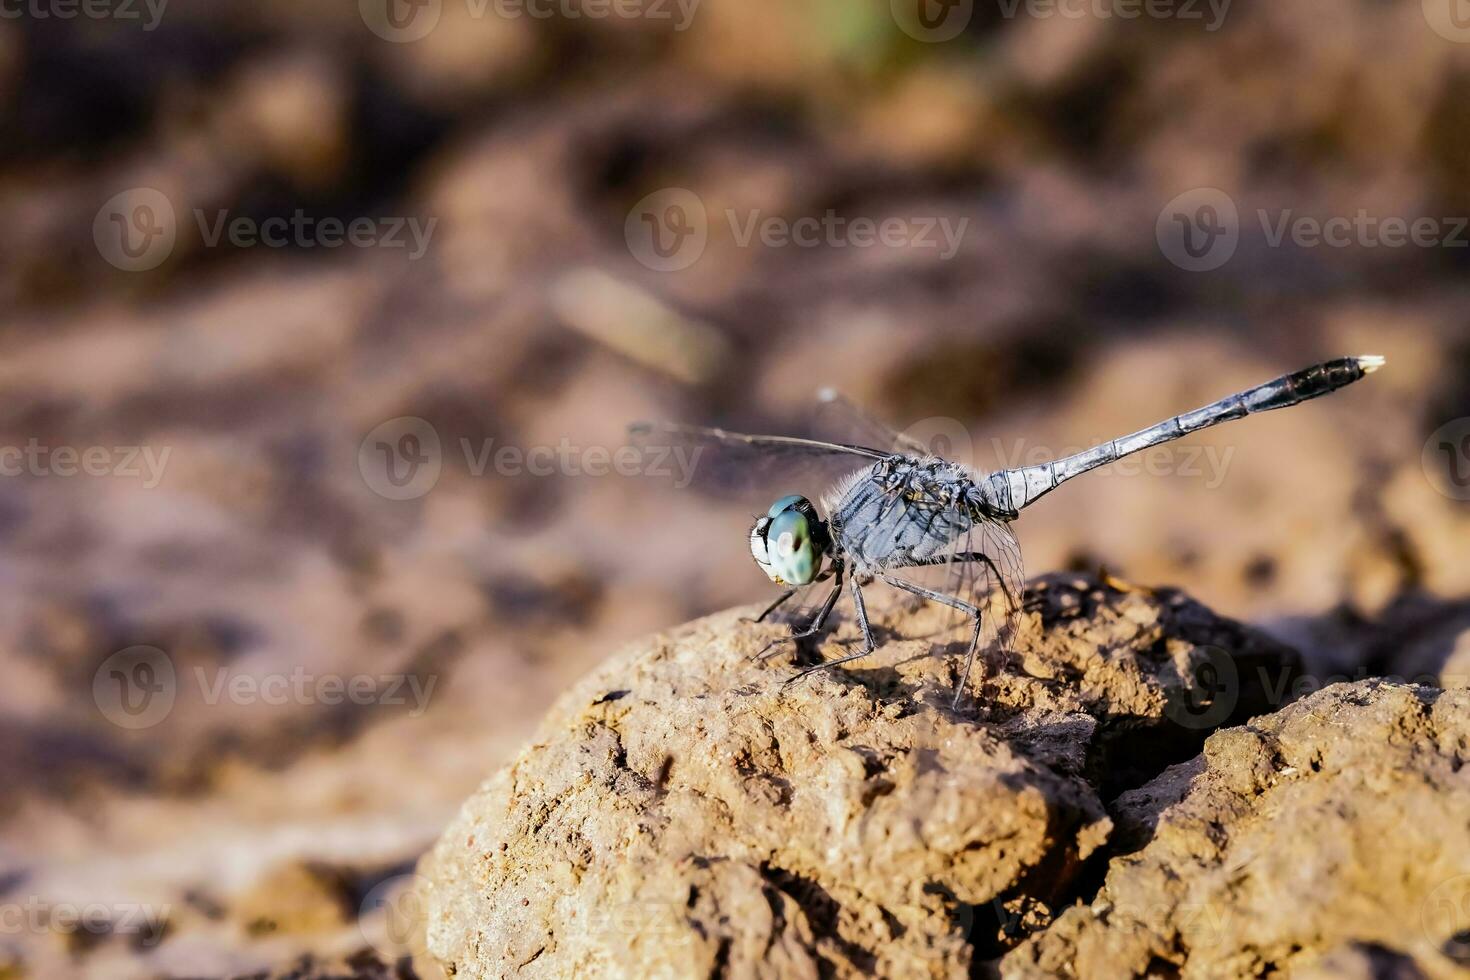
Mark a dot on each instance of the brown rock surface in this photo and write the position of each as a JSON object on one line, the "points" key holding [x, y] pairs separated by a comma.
{"points": [[681, 812], [1329, 839]]}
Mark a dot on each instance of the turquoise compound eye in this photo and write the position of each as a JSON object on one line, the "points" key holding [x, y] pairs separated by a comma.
{"points": [[790, 541], [789, 549], [787, 502]]}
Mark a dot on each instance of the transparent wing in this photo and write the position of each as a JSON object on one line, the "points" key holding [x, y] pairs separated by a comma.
{"points": [[948, 438], [721, 437], [738, 464], [839, 414]]}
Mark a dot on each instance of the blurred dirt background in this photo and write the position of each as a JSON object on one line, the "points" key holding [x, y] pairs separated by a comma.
{"points": [[260, 832]]}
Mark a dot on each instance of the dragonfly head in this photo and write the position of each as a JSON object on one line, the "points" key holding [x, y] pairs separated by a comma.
{"points": [[790, 541]]}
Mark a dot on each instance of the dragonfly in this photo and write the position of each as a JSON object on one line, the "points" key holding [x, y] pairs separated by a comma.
{"points": [[902, 509]]}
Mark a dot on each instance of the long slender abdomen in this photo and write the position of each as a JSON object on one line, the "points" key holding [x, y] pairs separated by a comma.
{"points": [[1010, 490]]}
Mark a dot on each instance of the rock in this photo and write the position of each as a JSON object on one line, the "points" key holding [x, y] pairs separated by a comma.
{"points": [[1329, 839], [681, 813], [365, 964], [296, 897]]}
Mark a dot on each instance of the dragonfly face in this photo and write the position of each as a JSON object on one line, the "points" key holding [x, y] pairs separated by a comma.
{"points": [[790, 541]]}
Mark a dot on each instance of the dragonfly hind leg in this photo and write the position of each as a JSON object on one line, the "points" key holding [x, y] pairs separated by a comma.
{"points": [[973, 557], [968, 608], [869, 644]]}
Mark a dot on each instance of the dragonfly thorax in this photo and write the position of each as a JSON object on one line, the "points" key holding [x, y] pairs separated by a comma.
{"points": [[935, 479], [904, 509]]}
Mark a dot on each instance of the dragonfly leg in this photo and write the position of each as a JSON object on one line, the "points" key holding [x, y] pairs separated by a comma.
{"points": [[978, 557], [939, 597], [967, 608], [869, 644], [959, 684], [895, 493], [816, 625], [780, 600]]}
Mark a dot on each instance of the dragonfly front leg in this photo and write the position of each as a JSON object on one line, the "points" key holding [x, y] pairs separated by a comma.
{"points": [[894, 490], [816, 624], [869, 644], [780, 600]]}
